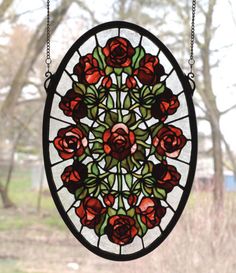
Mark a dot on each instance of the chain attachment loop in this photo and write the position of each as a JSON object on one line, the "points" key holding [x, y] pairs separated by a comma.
{"points": [[48, 60], [191, 60]]}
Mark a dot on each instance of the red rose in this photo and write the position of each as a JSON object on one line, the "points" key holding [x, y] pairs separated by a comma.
{"points": [[166, 104], [118, 52], [107, 82], [169, 141], [70, 142], [119, 141], [151, 211], [87, 70], [73, 106], [90, 212], [131, 82], [167, 176], [150, 70], [109, 200], [132, 199], [121, 229], [73, 176]]}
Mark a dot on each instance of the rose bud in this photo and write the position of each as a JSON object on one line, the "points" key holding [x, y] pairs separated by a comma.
{"points": [[109, 200], [131, 82], [107, 82], [132, 199]]}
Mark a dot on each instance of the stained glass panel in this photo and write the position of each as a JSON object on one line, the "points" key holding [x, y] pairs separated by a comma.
{"points": [[119, 140]]}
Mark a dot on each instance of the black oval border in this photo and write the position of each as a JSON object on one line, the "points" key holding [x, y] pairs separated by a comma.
{"points": [[193, 128]]}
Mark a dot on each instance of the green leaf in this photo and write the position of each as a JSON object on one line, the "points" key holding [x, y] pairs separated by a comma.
{"points": [[111, 211], [100, 228], [129, 180], [111, 179], [111, 118], [95, 169], [98, 191], [92, 90], [108, 70], [139, 54], [131, 119], [147, 191], [142, 227], [158, 89], [90, 99], [143, 111], [81, 193], [159, 157], [110, 102], [93, 111], [128, 70], [98, 55], [121, 211], [131, 212], [147, 168], [141, 134], [79, 88], [139, 156], [149, 181], [127, 101], [118, 71], [110, 162], [155, 128], [159, 193]]}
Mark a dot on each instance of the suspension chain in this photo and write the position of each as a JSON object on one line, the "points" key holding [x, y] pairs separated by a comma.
{"points": [[191, 60], [48, 60]]}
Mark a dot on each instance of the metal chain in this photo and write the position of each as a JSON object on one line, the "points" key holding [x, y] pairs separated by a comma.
{"points": [[48, 60], [191, 60]]}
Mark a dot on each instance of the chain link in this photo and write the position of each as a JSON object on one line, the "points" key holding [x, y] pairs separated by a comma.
{"points": [[48, 60], [191, 60]]}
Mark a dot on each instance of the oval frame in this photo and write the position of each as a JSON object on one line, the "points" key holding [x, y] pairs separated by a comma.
{"points": [[54, 80]]}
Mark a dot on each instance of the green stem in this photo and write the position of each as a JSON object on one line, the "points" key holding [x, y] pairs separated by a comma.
{"points": [[118, 102], [102, 123], [143, 143], [134, 106], [119, 177]]}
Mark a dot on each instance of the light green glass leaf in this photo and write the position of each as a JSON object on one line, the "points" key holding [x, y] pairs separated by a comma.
{"points": [[142, 227], [131, 212], [128, 70], [108, 70], [110, 102], [139, 54], [111, 211], [158, 89], [111, 179], [81, 194], [118, 71], [97, 53], [121, 211], [159, 193], [129, 180], [127, 102], [95, 169], [79, 88]]}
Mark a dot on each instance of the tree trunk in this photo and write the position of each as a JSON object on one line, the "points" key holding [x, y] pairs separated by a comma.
{"points": [[7, 203]]}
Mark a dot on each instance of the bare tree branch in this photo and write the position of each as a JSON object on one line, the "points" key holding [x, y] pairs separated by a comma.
{"points": [[228, 110], [5, 5]]}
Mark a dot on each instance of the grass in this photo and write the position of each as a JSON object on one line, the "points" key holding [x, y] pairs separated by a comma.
{"points": [[10, 266], [195, 245], [26, 198]]}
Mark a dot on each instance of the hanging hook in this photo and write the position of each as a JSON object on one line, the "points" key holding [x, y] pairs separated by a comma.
{"points": [[190, 77], [48, 76]]}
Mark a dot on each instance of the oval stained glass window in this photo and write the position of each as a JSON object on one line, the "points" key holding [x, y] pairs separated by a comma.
{"points": [[120, 140]]}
